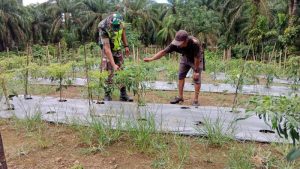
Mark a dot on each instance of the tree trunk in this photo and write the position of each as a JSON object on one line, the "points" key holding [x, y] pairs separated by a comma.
{"points": [[227, 54], [292, 11], [2, 155]]}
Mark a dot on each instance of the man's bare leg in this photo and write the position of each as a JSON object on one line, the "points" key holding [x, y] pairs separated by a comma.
{"points": [[180, 88], [197, 91]]}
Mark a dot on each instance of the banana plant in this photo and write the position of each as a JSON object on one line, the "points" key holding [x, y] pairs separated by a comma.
{"points": [[59, 72]]}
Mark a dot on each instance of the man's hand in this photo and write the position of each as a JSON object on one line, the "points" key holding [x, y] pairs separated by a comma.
{"points": [[148, 59], [196, 76], [116, 67], [127, 51]]}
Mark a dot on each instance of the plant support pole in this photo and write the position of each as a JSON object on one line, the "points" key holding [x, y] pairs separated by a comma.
{"points": [[239, 83], [87, 76], [26, 73], [2, 154]]}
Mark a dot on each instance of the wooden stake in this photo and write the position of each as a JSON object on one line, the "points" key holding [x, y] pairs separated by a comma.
{"points": [[47, 54], [27, 73], [137, 55], [133, 52], [285, 57], [59, 53], [7, 51], [2, 154], [280, 53], [90, 97]]}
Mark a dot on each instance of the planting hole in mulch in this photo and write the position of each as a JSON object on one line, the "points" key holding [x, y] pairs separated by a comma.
{"points": [[27, 97], [235, 111], [266, 131], [100, 102], [141, 119], [198, 123], [51, 112], [62, 100]]}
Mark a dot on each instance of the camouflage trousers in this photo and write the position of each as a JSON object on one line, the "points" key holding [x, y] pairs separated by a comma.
{"points": [[106, 66]]}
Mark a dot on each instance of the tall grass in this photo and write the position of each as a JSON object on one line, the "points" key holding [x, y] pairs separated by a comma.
{"points": [[217, 131]]}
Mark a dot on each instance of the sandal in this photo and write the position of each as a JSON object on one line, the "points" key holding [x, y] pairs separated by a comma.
{"points": [[176, 100]]}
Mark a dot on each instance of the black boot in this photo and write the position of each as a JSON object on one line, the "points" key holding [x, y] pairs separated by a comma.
{"points": [[107, 96], [123, 95]]}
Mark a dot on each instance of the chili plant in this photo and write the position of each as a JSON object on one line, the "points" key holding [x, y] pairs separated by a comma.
{"points": [[281, 113], [293, 71], [133, 77], [4, 77], [172, 72], [97, 83], [24, 74], [252, 70], [214, 65], [59, 72], [270, 71]]}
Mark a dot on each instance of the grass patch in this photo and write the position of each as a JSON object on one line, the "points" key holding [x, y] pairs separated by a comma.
{"points": [[240, 157], [217, 132]]}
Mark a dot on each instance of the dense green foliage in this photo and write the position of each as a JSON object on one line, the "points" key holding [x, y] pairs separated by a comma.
{"points": [[259, 25]]}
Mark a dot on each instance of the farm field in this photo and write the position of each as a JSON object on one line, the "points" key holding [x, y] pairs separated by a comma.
{"points": [[102, 84]]}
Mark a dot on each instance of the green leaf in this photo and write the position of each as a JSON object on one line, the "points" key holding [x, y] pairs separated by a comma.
{"points": [[293, 155]]}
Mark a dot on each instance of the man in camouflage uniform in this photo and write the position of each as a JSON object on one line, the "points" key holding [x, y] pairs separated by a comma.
{"points": [[111, 33]]}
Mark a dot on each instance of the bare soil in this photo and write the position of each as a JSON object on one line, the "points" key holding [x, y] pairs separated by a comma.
{"points": [[60, 147]]}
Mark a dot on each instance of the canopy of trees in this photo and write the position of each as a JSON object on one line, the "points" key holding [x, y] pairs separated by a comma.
{"points": [[261, 25]]}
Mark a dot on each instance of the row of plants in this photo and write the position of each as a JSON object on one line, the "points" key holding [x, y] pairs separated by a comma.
{"points": [[255, 71], [132, 76]]}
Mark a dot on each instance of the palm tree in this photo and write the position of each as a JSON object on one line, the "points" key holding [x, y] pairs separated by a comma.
{"points": [[65, 16], [142, 16], [93, 13], [167, 33], [40, 23], [14, 24], [231, 18]]}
